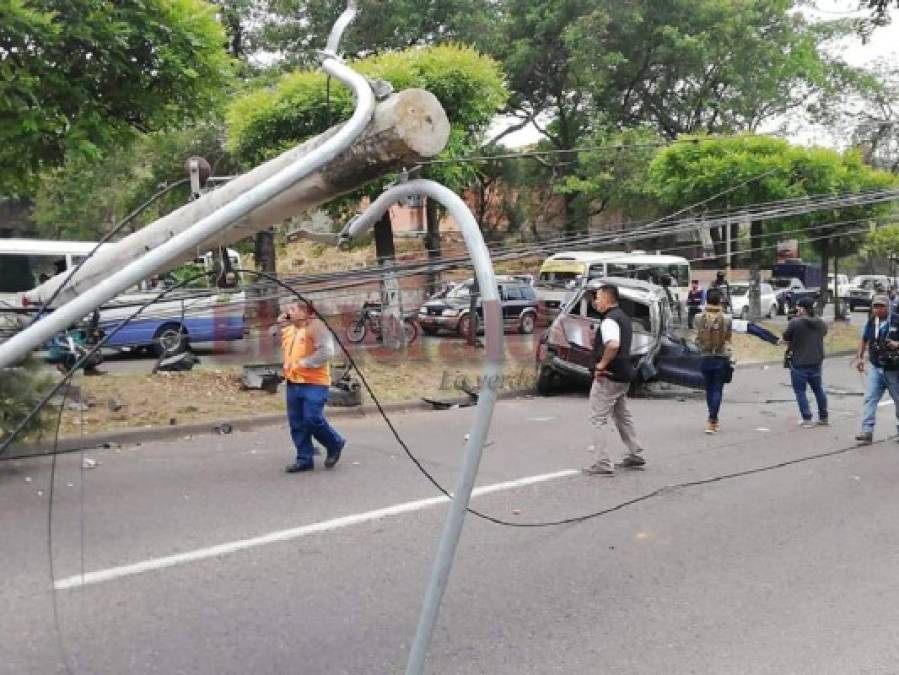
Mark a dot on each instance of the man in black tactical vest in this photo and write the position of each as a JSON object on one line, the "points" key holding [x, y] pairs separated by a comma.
{"points": [[612, 375]]}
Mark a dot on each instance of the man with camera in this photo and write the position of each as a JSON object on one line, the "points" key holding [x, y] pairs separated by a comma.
{"points": [[881, 338], [805, 335]]}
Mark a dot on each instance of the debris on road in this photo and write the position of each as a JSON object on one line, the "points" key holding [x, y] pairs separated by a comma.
{"points": [[88, 463]]}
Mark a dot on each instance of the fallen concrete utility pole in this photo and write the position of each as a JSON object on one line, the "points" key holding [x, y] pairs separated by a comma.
{"points": [[403, 128], [406, 127]]}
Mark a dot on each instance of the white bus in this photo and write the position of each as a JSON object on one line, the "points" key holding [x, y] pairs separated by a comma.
{"points": [[188, 314], [566, 270]]}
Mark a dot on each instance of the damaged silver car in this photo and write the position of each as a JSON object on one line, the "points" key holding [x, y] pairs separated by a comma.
{"points": [[565, 349]]}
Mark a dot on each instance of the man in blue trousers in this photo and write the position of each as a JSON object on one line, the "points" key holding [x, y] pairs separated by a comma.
{"points": [[881, 338], [308, 349]]}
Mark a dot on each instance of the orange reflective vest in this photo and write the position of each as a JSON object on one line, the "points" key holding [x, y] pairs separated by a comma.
{"points": [[297, 344]]}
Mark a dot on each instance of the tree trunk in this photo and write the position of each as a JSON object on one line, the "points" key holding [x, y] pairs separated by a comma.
{"points": [[264, 254], [432, 244], [405, 127], [825, 264], [755, 243]]}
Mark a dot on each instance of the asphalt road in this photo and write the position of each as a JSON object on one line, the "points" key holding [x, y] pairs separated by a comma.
{"points": [[792, 570]]}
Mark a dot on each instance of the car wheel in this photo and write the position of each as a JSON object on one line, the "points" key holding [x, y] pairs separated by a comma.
{"points": [[466, 325], [355, 332], [851, 306], [772, 310], [526, 324], [427, 330], [546, 381], [410, 331], [170, 340]]}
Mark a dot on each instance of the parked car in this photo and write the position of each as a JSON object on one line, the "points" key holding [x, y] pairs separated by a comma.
{"points": [[838, 290], [739, 300], [789, 291], [863, 287], [451, 310], [564, 351]]}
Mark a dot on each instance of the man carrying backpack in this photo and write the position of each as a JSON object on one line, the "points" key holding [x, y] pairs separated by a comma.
{"points": [[806, 334], [713, 333]]}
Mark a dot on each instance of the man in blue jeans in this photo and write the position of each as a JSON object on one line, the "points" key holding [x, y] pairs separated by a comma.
{"points": [[881, 338], [805, 333], [308, 349]]}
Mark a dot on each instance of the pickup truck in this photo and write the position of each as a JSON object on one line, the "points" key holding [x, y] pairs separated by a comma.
{"points": [[863, 288], [789, 291]]}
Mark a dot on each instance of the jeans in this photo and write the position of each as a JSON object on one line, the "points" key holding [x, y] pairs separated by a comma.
{"points": [[608, 399], [801, 376], [306, 415], [691, 315], [713, 370], [879, 380]]}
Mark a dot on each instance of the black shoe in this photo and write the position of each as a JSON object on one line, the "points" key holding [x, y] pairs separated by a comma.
{"points": [[334, 457], [865, 438], [296, 467], [632, 462]]}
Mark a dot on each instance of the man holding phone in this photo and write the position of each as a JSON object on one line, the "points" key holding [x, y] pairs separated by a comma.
{"points": [[308, 349]]}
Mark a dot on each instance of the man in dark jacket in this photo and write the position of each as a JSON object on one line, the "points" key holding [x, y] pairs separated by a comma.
{"points": [[805, 333], [695, 298], [612, 375]]}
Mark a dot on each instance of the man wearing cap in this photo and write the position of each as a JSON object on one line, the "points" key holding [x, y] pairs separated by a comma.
{"points": [[881, 338], [805, 334]]}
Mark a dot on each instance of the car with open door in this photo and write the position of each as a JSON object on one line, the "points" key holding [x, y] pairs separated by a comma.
{"points": [[564, 350]]}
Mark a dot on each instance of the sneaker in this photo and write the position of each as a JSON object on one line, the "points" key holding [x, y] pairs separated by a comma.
{"points": [[807, 424], [717, 426], [711, 427], [865, 438], [823, 422], [599, 469], [632, 462], [334, 457], [296, 467]]}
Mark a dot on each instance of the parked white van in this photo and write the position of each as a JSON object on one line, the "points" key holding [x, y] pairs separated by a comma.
{"points": [[569, 269]]}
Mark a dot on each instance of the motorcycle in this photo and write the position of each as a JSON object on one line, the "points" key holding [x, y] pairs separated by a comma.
{"points": [[369, 319]]}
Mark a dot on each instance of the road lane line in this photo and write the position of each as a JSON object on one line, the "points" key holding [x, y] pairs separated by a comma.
{"points": [[227, 548]]}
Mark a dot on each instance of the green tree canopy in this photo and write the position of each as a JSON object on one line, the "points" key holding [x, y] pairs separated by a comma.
{"points": [[79, 77], [729, 173], [884, 241]]}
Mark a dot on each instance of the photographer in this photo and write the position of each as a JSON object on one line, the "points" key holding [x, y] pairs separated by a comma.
{"points": [[805, 334], [881, 338]]}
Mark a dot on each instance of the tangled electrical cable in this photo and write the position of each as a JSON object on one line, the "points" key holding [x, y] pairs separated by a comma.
{"points": [[395, 432]]}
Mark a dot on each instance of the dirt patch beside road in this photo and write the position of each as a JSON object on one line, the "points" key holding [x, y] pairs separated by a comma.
{"points": [[205, 394]]}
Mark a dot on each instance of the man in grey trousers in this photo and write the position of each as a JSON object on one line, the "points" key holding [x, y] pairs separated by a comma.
{"points": [[612, 375]]}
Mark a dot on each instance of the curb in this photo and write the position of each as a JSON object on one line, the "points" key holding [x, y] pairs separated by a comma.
{"points": [[753, 364], [139, 435]]}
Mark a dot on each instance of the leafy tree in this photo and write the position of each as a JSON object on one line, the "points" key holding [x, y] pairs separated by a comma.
{"points": [[683, 66], [615, 175], [746, 170], [79, 77], [299, 28], [83, 198], [884, 241], [582, 69]]}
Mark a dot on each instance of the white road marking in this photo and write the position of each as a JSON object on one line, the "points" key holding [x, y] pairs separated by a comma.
{"points": [[111, 573], [540, 419], [883, 403]]}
